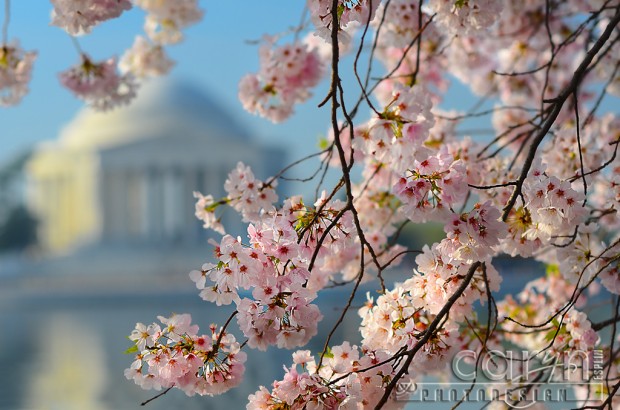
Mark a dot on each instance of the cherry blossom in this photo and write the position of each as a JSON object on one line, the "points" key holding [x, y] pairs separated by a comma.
{"points": [[401, 22], [349, 12], [15, 71], [559, 208], [280, 312], [431, 187], [544, 185], [145, 59], [610, 278], [472, 236], [205, 211], [332, 385], [570, 331], [540, 180], [466, 16], [399, 131], [248, 195], [176, 355], [166, 19], [285, 77], [80, 16], [396, 320], [99, 84]]}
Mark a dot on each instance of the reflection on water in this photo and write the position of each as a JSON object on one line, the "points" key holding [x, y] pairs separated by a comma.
{"points": [[69, 370], [65, 348], [62, 344]]}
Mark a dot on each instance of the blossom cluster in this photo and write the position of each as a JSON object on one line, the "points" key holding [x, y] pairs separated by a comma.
{"points": [[280, 312], [431, 188], [558, 206], [80, 16], [398, 320], [570, 331], [246, 194], [350, 13], [166, 19], [15, 71], [174, 354], [401, 24], [400, 316], [284, 79], [99, 84], [473, 236], [396, 135], [546, 186], [163, 25], [466, 16], [145, 59], [335, 384]]}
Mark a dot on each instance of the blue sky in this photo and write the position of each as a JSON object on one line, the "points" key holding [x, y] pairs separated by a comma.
{"points": [[214, 56]]}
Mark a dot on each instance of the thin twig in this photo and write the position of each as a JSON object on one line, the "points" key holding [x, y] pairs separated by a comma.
{"points": [[144, 403], [7, 18], [428, 333], [557, 107]]}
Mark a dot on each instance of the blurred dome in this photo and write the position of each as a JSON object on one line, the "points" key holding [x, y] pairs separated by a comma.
{"points": [[163, 106]]}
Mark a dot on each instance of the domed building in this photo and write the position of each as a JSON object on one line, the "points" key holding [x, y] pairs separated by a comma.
{"points": [[125, 178]]}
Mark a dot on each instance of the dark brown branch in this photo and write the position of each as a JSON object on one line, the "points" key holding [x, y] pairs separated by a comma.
{"points": [[144, 403], [428, 333], [577, 129], [557, 107], [360, 275]]}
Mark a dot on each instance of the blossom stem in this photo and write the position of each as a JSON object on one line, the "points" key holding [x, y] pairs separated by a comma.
{"points": [[76, 44], [428, 333], [5, 26], [578, 76], [144, 403]]}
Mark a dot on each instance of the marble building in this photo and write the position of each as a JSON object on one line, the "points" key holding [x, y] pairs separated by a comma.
{"points": [[125, 178], [117, 238]]}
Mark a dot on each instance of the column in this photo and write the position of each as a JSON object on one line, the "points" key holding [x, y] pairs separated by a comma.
{"points": [[173, 197], [143, 216]]}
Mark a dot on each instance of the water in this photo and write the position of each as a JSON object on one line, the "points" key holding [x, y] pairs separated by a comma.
{"points": [[62, 338], [63, 348]]}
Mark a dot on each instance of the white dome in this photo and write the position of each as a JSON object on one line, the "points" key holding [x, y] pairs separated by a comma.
{"points": [[161, 105]]}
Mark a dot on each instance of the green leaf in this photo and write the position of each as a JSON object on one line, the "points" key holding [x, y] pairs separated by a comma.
{"points": [[323, 143], [340, 11], [460, 3], [132, 349], [553, 270], [328, 353], [550, 335]]}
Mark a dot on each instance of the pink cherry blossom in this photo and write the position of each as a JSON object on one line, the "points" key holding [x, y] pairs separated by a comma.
{"points": [[286, 75], [145, 59], [15, 70], [80, 16], [166, 19], [466, 17], [178, 356], [248, 195], [99, 84], [205, 211], [349, 12]]}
